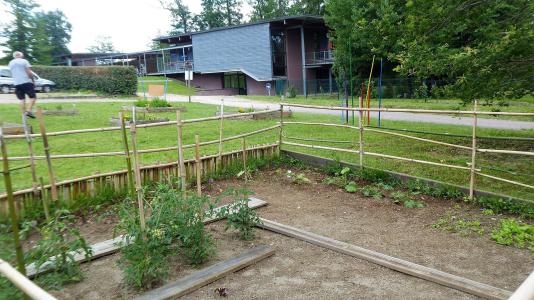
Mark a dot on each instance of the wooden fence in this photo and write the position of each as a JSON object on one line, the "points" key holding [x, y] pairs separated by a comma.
{"points": [[89, 186], [361, 152]]}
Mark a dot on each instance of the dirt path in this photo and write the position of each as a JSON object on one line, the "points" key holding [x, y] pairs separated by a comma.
{"points": [[302, 271]]}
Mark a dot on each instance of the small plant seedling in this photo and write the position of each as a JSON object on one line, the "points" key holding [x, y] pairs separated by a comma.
{"points": [[299, 178], [372, 191], [488, 212], [514, 233], [239, 215], [462, 226], [351, 187], [414, 204]]}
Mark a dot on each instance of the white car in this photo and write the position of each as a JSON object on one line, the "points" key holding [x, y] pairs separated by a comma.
{"points": [[6, 82]]}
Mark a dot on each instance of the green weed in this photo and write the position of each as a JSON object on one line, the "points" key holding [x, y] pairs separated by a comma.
{"points": [[514, 233], [464, 227], [239, 215]]}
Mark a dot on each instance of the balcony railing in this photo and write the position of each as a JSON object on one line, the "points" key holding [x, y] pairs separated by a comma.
{"points": [[175, 66], [319, 57]]}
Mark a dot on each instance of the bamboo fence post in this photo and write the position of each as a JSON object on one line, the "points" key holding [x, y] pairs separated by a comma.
{"points": [[11, 204], [138, 184], [31, 154], [198, 164], [131, 184], [360, 127], [281, 131], [44, 198], [46, 146], [181, 166], [244, 154], [473, 153], [221, 126]]}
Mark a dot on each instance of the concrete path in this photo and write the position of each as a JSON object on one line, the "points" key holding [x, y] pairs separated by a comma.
{"points": [[234, 101]]}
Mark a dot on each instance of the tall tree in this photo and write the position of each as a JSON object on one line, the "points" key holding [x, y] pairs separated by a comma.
{"points": [[50, 36], [211, 15], [268, 9], [231, 11], [482, 48], [18, 33], [182, 18], [103, 44], [308, 7]]}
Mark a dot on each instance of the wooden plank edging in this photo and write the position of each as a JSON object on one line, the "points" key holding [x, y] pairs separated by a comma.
{"points": [[208, 275], [111, 246], [397, 264]]}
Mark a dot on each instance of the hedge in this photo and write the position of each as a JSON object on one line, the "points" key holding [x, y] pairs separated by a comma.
{"points": [[114, 80]]}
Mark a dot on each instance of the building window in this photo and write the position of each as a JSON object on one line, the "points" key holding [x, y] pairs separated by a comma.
{"points": [[235, 81], [278, 48]]}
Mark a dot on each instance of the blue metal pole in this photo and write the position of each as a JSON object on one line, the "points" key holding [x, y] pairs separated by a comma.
{"points": [[380, 90]]}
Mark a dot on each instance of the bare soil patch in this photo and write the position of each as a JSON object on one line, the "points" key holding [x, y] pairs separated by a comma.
{"points": [[300, 270]]}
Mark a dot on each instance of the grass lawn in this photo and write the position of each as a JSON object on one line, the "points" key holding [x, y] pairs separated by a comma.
{"points": [[175, 86], [94, 115], [525, 104]]}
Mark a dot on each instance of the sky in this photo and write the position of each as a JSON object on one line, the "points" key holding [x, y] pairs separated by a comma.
{"points": [[131, 24]]}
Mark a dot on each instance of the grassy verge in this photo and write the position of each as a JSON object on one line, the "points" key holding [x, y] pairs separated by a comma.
{"points": [[92, 115], [175, 86], [513, 105]]}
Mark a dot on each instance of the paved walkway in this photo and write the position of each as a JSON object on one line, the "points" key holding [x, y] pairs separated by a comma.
{"points": [[234, 101]]}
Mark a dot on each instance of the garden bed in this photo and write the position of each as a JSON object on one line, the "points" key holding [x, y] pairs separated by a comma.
{"points": [[12, 128], [61, 112], [299, 269]]}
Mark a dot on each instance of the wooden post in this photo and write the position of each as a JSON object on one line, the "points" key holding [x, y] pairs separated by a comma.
{"points": [[11, 204], [281, 131], [51, 178], [181, 166], [360, 127], [44, 198], [198, 164], [219, 163], [31, 154], [130, 175], [244, 154], [138, 184], [473, 153]]}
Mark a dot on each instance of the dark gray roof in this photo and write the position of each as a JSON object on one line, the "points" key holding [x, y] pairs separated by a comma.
{"points": [[304, 18]]}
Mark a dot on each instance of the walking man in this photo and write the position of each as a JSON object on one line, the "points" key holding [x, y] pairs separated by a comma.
{"points": [[24, 82]]}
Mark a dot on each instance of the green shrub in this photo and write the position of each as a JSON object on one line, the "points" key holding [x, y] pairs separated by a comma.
{"points": [[156, 102], [239, 215], [174, 226], [291, 91], [115, 80]]}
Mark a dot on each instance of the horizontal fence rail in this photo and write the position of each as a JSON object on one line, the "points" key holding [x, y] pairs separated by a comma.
{"points": [[154, 150], [473, 148], [118, 128]]}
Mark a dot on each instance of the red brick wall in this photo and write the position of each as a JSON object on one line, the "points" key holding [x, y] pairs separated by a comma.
{"points": [[294, 56]]}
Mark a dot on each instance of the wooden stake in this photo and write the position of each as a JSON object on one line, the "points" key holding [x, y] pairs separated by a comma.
{"points": [[369, 92], [31, 154], [130, 174], [198, 164], [473, 154], [281, 128], [360, 127], [244, 154], [11, 203], [220, 135], [181, 166], [44, 198], [51, 178], [138, 184]]}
